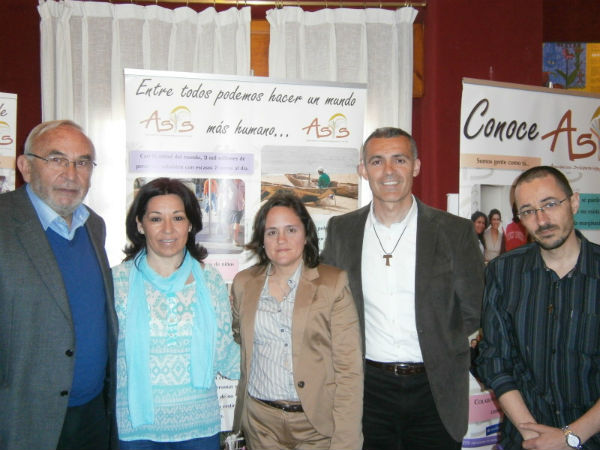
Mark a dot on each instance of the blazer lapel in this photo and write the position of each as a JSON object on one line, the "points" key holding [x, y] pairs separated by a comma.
{"points": [[355, 244], [304, 298], [351, 258], [250, 301], [35, 244], [96, 232], [427, 235]]}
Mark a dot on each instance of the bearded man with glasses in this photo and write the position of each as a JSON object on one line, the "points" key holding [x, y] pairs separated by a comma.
{"points": [[58, 325], [540, 351]]}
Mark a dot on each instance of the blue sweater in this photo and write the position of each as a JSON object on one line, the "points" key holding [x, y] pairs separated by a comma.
{"points": [[83, 281]]}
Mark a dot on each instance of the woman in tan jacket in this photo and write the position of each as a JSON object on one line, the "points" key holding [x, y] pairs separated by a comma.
{"points": [[301, 382]]}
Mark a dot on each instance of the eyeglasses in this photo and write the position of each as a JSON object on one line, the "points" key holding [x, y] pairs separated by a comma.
{"points": [[547, 207], [60, 162]]}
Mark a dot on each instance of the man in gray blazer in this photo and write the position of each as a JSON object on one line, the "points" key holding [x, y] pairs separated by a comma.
{"points": [[416, 274], [58, 326]]}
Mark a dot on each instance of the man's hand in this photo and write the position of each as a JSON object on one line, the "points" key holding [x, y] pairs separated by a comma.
{"points": [[543, 437]]}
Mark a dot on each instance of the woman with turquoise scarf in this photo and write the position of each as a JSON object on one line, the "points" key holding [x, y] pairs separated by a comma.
{"points": [[174, 326]]}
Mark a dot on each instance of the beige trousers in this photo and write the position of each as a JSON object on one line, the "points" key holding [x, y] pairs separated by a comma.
{"points": [[269, 428]]}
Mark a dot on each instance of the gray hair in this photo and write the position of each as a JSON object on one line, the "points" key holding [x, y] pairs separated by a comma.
{"points": [[39, 130]]}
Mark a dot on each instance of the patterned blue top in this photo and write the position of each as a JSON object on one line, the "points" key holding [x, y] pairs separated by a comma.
{"points": [[181, 412]]}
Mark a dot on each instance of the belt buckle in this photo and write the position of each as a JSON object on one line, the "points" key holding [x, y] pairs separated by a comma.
{"points": [[290, 407], [399, 369]]}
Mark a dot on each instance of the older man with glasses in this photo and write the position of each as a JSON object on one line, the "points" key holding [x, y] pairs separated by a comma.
{"points": [[540, 351], [58, 326]]}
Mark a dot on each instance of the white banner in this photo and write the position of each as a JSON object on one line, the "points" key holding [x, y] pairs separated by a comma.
{"points": [[236, 140], [508, 128], [8, 141]]}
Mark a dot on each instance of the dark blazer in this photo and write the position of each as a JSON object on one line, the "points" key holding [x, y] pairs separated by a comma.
{"points": [[448, 291], [36, 328], [326, 355]]}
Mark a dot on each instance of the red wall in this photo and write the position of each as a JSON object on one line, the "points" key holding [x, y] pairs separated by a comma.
{"points": [[20, 62], [492, 39], [463, 38], [499, 40]]}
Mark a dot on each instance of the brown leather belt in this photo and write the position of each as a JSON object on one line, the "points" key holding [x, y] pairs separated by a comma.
{"points": [[399, 368], [284, 406]]}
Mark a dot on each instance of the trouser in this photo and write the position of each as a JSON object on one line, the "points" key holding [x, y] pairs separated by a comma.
{"points": [[85, 427], [269, 428], [400, 413]]}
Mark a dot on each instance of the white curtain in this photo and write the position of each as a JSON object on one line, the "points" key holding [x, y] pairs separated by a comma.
{"points": [[373, 46], [84, 48]]}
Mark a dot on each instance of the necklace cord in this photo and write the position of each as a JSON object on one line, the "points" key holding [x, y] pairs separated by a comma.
{"points": [[381, 245]]}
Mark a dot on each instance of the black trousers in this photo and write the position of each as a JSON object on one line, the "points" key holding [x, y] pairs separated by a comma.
{"points": [[85, 427], [400, 413]]}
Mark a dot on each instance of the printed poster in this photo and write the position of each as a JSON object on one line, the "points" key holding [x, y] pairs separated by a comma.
{"points": [[485, 414], [508, 128], [235, 141], [8, 141]]}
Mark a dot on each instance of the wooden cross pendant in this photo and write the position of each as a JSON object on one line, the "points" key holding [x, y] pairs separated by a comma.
{"points": [[387, 259]]}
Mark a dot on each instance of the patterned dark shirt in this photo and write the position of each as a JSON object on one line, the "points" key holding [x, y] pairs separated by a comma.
{"points": [[541, 336]]}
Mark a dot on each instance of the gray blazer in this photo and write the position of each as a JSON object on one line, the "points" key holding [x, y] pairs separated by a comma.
{"points": [[36, 328], [448, 291]]}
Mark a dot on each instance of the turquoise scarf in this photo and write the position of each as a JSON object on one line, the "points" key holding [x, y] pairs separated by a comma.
{"points": [[137, 332]]}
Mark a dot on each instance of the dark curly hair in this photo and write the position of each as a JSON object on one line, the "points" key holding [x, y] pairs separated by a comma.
{"points": [[163, 186], [288, 200], [492, 213], [476, 215]]}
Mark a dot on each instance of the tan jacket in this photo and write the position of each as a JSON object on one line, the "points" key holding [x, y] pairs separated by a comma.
{"points": [[326, 343]]}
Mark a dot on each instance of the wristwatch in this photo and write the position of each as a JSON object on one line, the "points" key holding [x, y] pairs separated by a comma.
{"points": [[572, 439]]}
